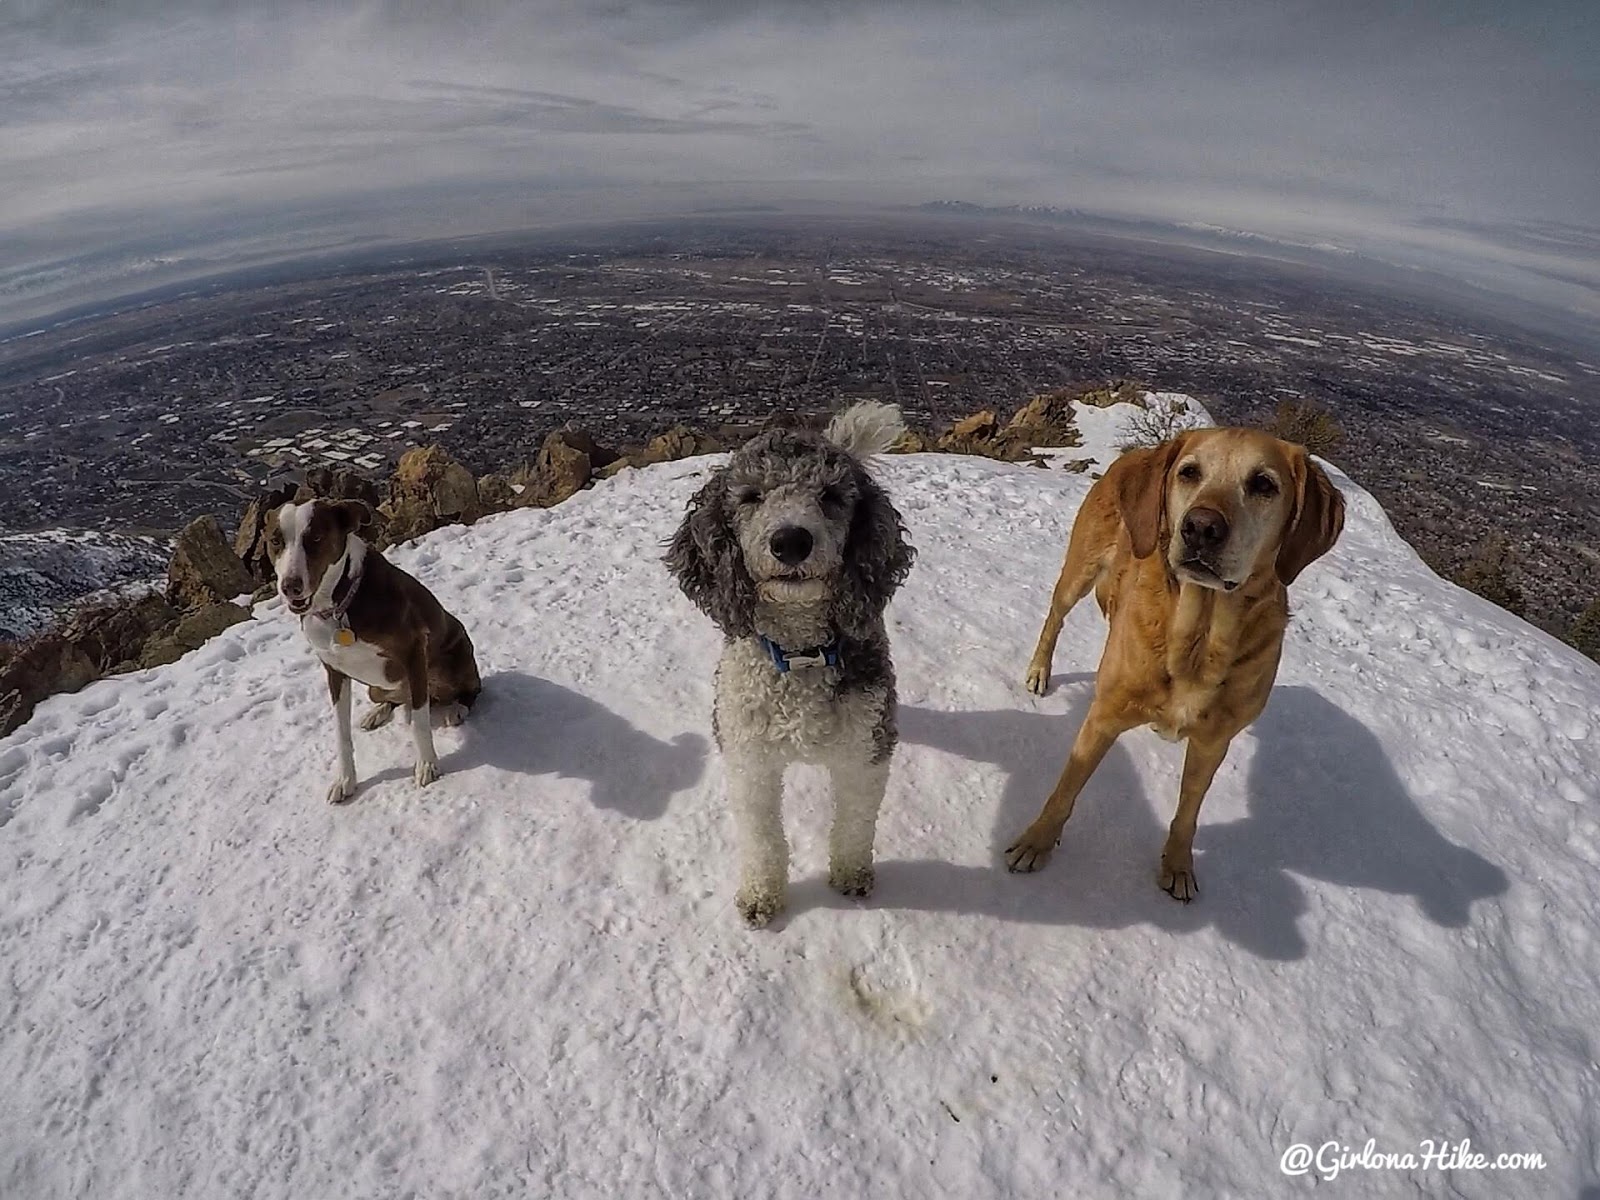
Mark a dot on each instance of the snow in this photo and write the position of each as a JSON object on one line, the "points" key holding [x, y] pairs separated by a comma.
{"points": [[44, 573], [529, 979], [1104, 431]]}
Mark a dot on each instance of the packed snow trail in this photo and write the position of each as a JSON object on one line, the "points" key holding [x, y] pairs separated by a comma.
{"points": [[529, 978]]}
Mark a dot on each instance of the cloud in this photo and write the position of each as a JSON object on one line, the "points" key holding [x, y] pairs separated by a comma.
{"points": [[1449, 128]]}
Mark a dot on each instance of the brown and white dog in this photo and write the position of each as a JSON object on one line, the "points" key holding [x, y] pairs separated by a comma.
{"points": [[368, 621], [1189, 547]]}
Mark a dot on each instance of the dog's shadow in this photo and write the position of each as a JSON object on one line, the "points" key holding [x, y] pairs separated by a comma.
{"points": [[1324, 802], [532, 726]]}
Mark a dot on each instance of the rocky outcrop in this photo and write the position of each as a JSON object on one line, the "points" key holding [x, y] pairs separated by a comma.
{"points": [[980, 425], [111, 635], [562, 469], [599, 455], [199, 627], [204, 569], [1046, 420], [911, 442], [1121, 391], [339, 484], [40, 667], [103, 640], [427, 490], [982, 434], [190, 633], [678, 442], [495, 493]]}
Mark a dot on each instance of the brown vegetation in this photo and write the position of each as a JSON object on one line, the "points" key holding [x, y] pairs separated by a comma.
{"points": [[1306, 424]]}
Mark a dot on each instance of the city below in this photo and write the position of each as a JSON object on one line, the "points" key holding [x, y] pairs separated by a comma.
{"points": [[1467, 428]]}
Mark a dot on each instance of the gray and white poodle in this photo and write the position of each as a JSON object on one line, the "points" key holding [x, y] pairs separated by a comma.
{"points": [[794, 550]]}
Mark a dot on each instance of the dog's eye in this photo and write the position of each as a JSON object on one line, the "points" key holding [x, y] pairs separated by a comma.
{"points": [[748, 495], [832, 498], [1189, 472], [1262, 484]]}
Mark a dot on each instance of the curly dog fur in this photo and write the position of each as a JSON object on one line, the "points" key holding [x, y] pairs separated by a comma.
{"points": [[792, 541]]}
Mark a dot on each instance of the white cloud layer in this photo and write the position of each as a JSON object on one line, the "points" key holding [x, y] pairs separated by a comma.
{"points": [[1445, 131]]}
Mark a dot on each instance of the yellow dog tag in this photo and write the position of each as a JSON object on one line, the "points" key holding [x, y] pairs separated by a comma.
{"points": [[345, 637]]}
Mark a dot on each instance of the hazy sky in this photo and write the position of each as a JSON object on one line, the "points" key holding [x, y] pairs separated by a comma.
{"points": [[167, 131]]}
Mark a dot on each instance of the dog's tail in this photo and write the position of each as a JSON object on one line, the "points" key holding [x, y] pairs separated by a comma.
{"points": [[867, 428]]}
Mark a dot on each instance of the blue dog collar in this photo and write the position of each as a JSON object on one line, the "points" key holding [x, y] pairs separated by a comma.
{"points": [[788, 660]]}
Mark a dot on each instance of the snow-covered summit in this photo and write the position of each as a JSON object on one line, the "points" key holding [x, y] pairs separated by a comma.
{"points": [[529, 979]]}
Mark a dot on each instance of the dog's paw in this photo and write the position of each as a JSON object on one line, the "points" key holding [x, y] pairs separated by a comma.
{"points": [[1178, 882], [341, 791], [378, 717], [852, 881], [758, 904], [427, 771], [1038, 681], [1031, 851]]}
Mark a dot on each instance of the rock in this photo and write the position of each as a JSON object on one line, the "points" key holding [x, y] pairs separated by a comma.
{"points": [[42, 666], [1046, 420], [599, 456], [204, 568], [495, 493], [981, 434], [342, 483], [250, 540], [1097, 397], [979, 425], [909, 442], [159, 651], [678, 442], [200, 626], [93, 642], [1077, 466], [1121, 391], [328, 483], [561, 470], [108, 634], [428, 489]]}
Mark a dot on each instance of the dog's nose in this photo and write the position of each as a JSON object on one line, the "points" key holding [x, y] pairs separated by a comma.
{"points": [[294, 587], [1204, 529], [790, 545]]}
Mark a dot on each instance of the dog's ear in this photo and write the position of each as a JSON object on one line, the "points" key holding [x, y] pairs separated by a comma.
{"points": [[704, 557], [1315, 521], [877, 559], [1140, 479], [353, 516]]}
